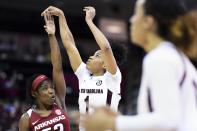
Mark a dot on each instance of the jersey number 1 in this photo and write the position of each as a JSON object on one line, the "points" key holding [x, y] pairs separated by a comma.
{"points": [[87, 103]]}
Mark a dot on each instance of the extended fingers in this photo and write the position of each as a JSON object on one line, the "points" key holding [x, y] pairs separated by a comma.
{"points": [[88, 8], [50, 8]]}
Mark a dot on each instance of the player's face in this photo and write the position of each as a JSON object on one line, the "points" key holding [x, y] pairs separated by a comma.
{"points": [[95, 63], [138, 32], [46, 93]]}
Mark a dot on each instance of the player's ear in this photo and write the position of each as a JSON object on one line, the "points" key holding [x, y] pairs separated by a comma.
{"points": [[104, 66], [34, 93], [149, 23]]}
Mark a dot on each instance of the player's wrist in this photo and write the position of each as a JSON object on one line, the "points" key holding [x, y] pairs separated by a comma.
{"points": [[61, 13], [51, 34], [89, 21]]}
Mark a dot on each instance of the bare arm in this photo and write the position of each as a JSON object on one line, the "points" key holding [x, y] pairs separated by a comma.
{"points": [[67, 38], [101, 40], [69, 44], [58, 75], [24, 123]]}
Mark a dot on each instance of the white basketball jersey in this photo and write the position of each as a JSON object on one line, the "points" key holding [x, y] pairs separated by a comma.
{"points": [[94, 90], [167, 98], [167, 85]]}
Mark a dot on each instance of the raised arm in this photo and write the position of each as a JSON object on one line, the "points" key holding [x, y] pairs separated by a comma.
{"points": [[102, 41], [58, 75], [67, 38]]}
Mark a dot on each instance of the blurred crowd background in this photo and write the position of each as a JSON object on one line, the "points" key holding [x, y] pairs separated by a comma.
{"points": [[24, 50]]}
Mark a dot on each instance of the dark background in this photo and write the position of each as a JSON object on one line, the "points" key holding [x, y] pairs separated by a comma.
{"points": [[24, 50]]}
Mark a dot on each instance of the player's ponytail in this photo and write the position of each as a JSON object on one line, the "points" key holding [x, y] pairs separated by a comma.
{"points": [[120, 52], [183, 33]]}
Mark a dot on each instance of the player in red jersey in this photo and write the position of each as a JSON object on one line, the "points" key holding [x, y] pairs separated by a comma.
{"points": [[48, 112]]}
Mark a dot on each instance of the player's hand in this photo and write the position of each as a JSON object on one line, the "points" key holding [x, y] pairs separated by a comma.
{"points": [[49, 23], [90, 13], [53, 11], [101, 120]]}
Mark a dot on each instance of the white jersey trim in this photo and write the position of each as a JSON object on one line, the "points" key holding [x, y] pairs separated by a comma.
{"points": [[29, 112]]}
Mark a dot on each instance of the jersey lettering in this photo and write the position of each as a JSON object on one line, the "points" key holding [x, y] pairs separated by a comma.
{"points": [[92, 91], [50, 122]]}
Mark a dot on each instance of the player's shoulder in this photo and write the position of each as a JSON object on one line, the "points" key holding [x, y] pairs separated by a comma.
{"points": [[25, 116], [117, 74], [165, 52], [24, 119], [82, 70], [23, 124]]}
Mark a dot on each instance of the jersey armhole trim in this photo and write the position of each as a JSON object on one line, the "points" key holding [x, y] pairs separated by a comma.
{"points": [[29, 112]]}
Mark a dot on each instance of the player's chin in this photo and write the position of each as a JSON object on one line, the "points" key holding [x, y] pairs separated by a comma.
{"points": [[51, 101], [88, 66]]}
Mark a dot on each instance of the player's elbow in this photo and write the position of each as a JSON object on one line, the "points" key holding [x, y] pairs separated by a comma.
{"points": [[106, 48]]}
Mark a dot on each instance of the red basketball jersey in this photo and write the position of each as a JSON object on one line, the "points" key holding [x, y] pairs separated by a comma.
{"points": [[56, 121]]}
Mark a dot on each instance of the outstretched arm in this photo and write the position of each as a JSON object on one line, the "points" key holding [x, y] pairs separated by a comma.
{"points": [[67, 38], [102, 119], [58, 75], [102, 41]]}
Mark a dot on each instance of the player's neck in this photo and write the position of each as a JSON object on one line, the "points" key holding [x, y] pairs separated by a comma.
{"points": [[152, 42], [100, 73], [40, 106], [43, 111]]}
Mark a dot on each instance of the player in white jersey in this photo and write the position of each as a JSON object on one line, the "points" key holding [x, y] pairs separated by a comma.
{"points": [[93, 90], [100, 74], [167, 98], [94, 86]]}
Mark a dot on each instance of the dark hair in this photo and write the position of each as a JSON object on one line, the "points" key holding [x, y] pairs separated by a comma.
{"points": [[184, 33], [165, 13], [120, 52], [30, 100], [191, 4], [190, 21]]}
